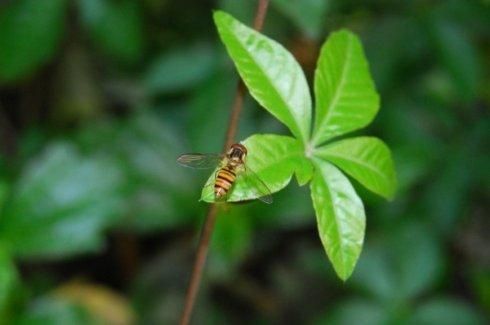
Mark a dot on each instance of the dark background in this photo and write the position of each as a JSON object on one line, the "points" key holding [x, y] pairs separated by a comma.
{"points": [[98, 222]]}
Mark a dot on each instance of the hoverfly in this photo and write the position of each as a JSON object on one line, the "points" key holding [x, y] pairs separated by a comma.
{"points": [[231, 166]]}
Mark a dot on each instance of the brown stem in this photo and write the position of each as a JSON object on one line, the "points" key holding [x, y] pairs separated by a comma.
{"points": [[207, 230]]}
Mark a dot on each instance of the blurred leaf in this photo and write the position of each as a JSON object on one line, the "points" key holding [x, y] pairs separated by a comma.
{"points": [[345, 95], [159, 190], [208, 108], [447, 195], [308, 15], [30, 31], [292, 209], [340, 217], [406, 123], [61, 204], [270, 72], [273, 158], [406, 264], [446, 310], [375, 273], [8, 284], [457, 53], [366, 159], [50, 310], [384, 44], [355, 311], [231, 241], [116, 27], [102, 303], [241, 10], [180, 69], [408, 120]]}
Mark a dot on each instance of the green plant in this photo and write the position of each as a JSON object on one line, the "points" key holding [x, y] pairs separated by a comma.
{"points": [[346, 100]]}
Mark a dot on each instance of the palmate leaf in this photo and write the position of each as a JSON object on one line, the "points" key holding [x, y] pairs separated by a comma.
{"points": [[340, 217], [345, 96], [272, 75], [273, 158], [346, 100], [366, 159]]}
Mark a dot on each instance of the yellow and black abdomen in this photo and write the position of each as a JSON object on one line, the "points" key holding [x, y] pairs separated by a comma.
{"points": [[224, 181]]}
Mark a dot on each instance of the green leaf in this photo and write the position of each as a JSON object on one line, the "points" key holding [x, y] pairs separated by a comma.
{"points": [[270, 72], [30, 31], [305, 173], [273, 158], [61, 204], [116, 27], [345, 95], [366, 159], [340, 217], [308, 15]]}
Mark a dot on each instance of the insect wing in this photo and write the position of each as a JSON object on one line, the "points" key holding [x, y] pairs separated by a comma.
{"points": [[200, 160], [256, 185]]}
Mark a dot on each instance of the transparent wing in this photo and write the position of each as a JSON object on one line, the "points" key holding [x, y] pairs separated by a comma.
{"points": [[200, 160], [256, 184]]}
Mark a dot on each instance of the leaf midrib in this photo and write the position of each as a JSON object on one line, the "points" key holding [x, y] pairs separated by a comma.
{"points": [[335, 99], [289, 109], [337, 225], [298, 154], [360, 162]]}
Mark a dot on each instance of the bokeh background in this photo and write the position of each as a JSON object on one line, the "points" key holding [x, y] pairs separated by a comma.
{"points": [[98, 224]]}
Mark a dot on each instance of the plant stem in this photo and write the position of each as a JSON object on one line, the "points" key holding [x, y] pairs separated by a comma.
{"points": [[207, 229]]}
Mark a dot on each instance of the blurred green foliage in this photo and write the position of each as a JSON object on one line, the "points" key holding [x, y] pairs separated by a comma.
{"points": [[99, 195]]}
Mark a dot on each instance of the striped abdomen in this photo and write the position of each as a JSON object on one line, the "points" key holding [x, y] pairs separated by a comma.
{"points": [[224, 180]]}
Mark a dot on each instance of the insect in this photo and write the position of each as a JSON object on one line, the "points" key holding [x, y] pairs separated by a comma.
{"points": [[232, 166]]}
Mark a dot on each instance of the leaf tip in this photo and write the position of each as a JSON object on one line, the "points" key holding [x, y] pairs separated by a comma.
{"points": [[219, 16], [344, 274], [343, 32]]}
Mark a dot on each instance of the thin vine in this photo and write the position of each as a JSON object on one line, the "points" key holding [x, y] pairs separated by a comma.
{"points": [[210, 220]]}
